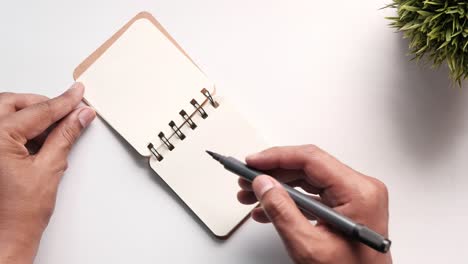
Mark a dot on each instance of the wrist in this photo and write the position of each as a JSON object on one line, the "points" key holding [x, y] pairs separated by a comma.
{"points": [[18, 246]]}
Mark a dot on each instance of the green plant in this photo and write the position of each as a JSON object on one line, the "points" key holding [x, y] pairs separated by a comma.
{"points": [[437, 30]]}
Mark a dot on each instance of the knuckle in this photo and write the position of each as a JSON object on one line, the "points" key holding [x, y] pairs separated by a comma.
{"points": [[276, 205], [4, 96], [311, 149], [70, 134], [9, 132], [374, 194], [378, 188], [62, 167], [46, 109], [381, 186], [313, 153]]}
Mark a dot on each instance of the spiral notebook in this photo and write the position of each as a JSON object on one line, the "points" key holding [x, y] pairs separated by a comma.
{"points": [[143, 84]]}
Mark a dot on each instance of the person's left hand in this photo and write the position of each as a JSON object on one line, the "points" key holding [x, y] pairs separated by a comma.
{"points": [[36, 135]]}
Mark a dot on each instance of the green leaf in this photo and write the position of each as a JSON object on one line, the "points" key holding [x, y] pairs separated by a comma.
{"points": [[451, 11], [448, 35], [431, 3], [424, 13], [443, 45], [410, 26], [421, 50], [409, 8], [436, 16], [437, 31]]}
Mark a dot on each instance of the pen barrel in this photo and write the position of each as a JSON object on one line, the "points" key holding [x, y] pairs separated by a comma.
{"points": [[233, 165], [321, 211], [304, 202], [317, 209], [372, 238], [338, 221]]}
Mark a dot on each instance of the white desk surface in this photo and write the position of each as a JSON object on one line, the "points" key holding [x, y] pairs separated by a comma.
{"points": [[329, 72]]}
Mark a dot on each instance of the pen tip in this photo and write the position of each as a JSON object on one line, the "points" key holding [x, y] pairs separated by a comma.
{"points": [[215, 156]]}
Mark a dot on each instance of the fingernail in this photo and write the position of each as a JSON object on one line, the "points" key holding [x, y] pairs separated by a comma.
{"points": [[262, 185], [76, 87], [253, 156], [86, 116]]}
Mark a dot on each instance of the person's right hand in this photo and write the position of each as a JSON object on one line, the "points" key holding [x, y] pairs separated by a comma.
{"points": [[357, 196]]}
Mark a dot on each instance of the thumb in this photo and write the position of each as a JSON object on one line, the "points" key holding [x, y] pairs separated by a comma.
{"points": [[59, 142], [293, 227]]}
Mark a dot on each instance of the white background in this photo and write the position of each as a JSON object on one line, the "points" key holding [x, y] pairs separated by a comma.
{"points": [[324, 72]]}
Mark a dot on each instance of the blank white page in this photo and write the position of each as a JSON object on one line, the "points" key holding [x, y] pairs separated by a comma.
{"points": [[200, 181], [141, 82]]}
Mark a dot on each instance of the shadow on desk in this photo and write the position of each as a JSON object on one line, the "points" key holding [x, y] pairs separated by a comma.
{"points": [[428, 108]]}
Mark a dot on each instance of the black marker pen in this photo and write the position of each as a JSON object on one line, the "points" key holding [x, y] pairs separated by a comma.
{"points": [[313, 207]]}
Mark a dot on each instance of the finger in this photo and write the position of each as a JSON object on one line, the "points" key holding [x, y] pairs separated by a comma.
{"points": [[12, 102], [303, 184], [246, 197], [260, 216], [288, 220], [58, 144], [244, 184], [33, 120], [280, 175], [286, 175], [322, 169]]}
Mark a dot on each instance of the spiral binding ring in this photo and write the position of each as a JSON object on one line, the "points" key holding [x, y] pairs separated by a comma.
{"points": [[207, 94], [153, 150], [177, 130], [188, 119], [165, 141], [199, 108]]}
